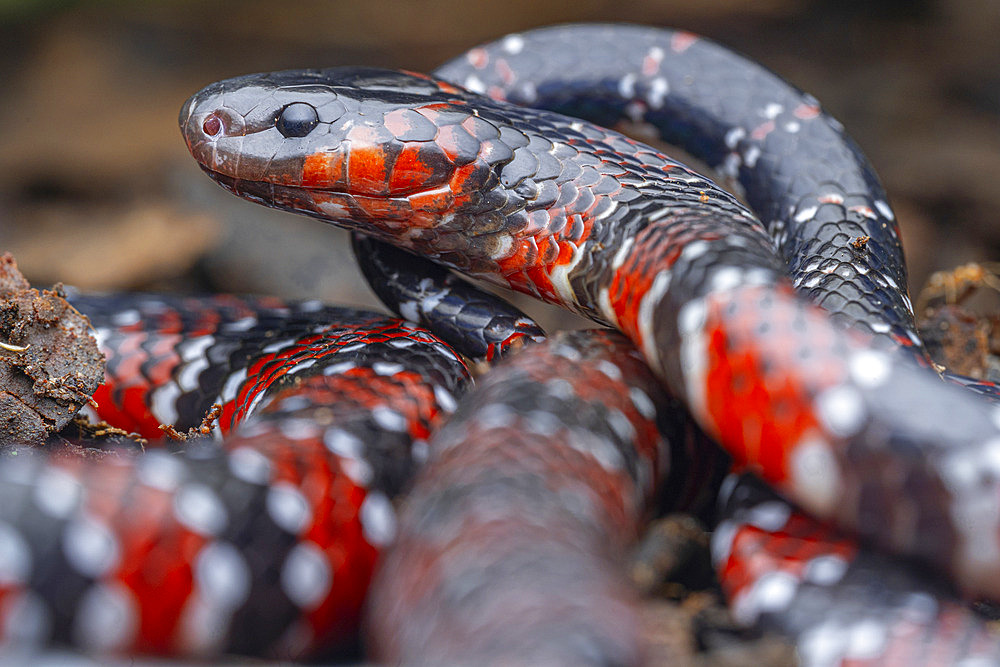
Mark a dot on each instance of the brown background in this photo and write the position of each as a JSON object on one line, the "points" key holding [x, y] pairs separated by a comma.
{"points": [[97, 190]]}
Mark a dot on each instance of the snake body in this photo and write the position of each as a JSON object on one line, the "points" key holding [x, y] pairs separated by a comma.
{"points": [[602, 224], [512, 536], [263, 544], [839, 602], [802, 174]]}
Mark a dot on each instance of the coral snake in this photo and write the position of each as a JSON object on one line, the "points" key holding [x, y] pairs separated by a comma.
{"points": [[740, 312]]}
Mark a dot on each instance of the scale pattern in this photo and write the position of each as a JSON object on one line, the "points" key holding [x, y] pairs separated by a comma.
{"points": [[840, 603], [801, 173], [512, 534], [481, 325]]}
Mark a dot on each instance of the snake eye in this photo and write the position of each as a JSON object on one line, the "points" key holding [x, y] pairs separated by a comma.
{"points": [[296, 120]]}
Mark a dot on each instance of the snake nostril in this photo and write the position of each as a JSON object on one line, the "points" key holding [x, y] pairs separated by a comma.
{"points": [[212, 125]]}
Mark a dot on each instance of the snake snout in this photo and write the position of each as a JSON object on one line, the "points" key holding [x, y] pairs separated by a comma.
{"points": [[207, 125], [202, 122]]}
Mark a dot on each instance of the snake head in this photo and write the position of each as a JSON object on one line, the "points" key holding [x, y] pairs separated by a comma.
{"points": [[503, 193], [393, 154]]}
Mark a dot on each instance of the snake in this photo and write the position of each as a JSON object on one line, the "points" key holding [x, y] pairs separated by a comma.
{"points": [[833, 418], [742, 320]]}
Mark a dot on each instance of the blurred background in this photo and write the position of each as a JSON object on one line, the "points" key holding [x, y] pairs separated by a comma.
{"points": [[97, 189]]}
